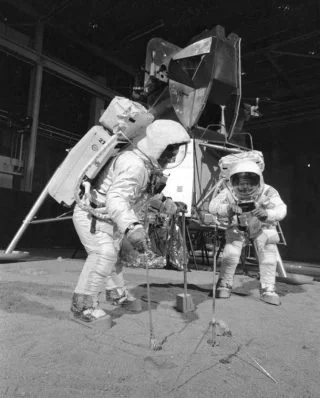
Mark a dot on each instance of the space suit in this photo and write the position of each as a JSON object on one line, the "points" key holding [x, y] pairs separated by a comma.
{"points": [[252, 209], [122, 187]]}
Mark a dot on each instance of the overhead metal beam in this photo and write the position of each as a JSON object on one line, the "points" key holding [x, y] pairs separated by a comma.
{"points": [[56, 10], [298, 118], [274, 46], [302, 71], [69, 34], [54, 66], [295, 54], [283, 75]]}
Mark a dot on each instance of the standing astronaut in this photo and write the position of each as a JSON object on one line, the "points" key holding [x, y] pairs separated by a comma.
{"points": [[123, 188], [252, 209]]}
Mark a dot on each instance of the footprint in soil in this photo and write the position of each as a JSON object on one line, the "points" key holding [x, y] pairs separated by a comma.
{"points": [[229, 357], [157, 365]]}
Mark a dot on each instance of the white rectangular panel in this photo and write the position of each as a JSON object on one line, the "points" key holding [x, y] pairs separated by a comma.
{"points": [[180, 182]]}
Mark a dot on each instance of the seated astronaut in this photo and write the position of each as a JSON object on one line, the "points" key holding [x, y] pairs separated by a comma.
{"points": [[252, 209]]}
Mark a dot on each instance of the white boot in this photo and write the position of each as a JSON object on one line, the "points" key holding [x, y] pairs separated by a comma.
{"points": [[223, 289], [93, 314], [123, 299], [269, 296], [85, 308]]}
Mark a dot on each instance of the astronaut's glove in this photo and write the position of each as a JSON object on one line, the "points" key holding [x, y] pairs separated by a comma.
{"points": [[137, 237], [163, 205], [233, 209], [260, 213], [156, 203], [181, 206], [169, 207]]}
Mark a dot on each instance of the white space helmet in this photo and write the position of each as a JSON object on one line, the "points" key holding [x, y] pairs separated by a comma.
{"points": [[246, 180]]}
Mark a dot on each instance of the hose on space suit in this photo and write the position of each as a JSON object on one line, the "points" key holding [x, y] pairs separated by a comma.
{"points": [[83, 196]]}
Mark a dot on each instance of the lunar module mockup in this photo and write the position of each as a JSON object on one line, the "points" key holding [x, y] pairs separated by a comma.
{"points": [[199, 86]]}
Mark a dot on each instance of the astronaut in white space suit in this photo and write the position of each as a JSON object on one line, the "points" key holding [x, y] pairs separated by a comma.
{"points": [[252, 209], [122, 187]]}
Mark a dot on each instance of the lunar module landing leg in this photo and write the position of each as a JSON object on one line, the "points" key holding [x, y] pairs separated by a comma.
{"points": [[10, 254]]}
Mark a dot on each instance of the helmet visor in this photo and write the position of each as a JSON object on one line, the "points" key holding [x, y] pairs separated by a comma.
{"points": [[245, 185], [173, 156]]}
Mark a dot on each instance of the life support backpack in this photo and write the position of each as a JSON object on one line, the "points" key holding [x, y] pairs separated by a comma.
{"points": [[119, 124]]}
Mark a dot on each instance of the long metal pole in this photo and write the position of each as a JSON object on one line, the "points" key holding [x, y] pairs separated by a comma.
{"points": [[185, 283], [213, 321]]}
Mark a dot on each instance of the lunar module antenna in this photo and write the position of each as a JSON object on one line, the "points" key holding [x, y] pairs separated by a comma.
{"points": [[239, 89]]}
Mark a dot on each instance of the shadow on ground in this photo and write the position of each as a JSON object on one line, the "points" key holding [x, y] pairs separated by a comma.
{"points": [[30, 298], [247, 288], [43, 299], [40, 299]]}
